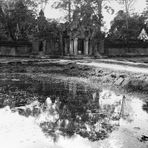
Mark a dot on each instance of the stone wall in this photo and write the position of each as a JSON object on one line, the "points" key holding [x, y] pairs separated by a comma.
{"points": [[9, 48], [122, 48], [126, 51], [50, 47]]}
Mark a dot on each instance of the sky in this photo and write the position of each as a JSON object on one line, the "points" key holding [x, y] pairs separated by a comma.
{"points": [[59, 14]]}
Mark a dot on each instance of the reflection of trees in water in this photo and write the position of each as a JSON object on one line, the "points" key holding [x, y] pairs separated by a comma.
{"points": [[78, 117], [74, 109], [79, 113]]}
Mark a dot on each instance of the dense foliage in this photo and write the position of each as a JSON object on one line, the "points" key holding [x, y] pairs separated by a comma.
{"points": [[119, 29], [84, 16], [19, 21]]}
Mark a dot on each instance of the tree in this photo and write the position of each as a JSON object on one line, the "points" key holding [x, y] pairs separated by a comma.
{"points": [[2, 28], [118, 26], [65, 5], [24, 19], [128, 7], [85, 16], [17, 19], [75, 6]]}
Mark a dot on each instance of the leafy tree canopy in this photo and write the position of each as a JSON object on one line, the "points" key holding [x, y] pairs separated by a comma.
{"points": [[84, 16], [118, 26], [18, 18], [127, 5]]}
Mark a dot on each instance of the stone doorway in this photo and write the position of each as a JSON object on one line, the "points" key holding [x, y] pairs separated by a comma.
{"points": [[80, 46], [40, 46]]}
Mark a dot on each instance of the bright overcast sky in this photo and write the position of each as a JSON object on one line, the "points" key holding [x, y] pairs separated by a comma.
{"points": [[57, 14]]}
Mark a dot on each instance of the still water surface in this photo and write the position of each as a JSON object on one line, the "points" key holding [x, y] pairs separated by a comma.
{"points": [[59, 114]]}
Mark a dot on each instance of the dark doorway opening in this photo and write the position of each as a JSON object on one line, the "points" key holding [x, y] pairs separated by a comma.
{"points": [[41, 46], [80, 46]]}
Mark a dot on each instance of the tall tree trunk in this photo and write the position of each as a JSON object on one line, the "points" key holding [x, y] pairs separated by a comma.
{"points": [[61, 44], [96, 39], [70, 33], [69, 11], [127, 23], [99, 2], [127, 13]]}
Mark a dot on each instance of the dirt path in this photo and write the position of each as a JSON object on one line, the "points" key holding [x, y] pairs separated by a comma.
{"points": [[111, 64], [117, 67]]}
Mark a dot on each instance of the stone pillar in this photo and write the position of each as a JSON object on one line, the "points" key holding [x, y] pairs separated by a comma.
{"points": [[66, 47], [90, 48], [48, 47], [75, 46], [71, 47], [86, 47], [44, 46]]}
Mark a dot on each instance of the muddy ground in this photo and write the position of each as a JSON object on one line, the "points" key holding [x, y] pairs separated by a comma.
{"points": [[44, 70]]}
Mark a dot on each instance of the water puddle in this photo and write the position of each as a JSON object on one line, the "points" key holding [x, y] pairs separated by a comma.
{"points": [[60, 114]]}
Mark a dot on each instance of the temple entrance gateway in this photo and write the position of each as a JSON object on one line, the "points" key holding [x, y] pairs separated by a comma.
{"points": [[78, 46]]}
